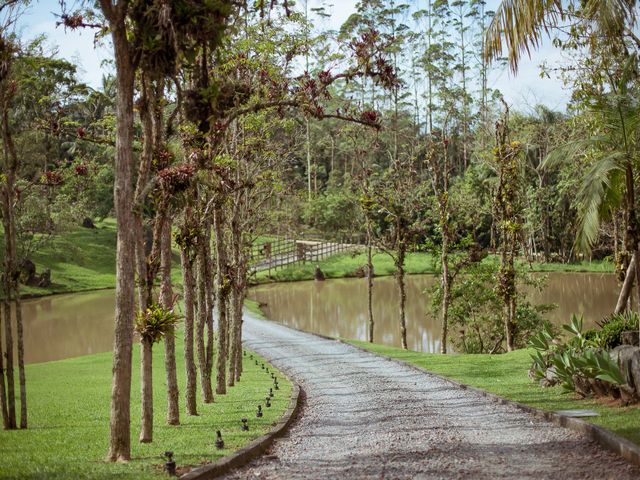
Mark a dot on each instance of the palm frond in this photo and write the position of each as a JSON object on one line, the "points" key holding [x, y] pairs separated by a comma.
{"points": [[522, 23], [568, 152], [611, 15], [591, 199]]}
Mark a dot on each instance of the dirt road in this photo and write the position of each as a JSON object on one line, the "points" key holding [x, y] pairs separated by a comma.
{"points": [[368, 417]]}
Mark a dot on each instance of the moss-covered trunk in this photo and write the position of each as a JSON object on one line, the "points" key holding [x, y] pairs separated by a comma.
{"points": [[222, 296], [166, 300], [189, 360], [146, 391], [202, 306]]}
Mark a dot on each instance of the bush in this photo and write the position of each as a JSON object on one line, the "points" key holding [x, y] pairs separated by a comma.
{"points": [[614, 325], [578, 363]]}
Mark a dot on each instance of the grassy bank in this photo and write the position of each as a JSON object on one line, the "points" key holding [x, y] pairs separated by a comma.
{"points": [[69, 421], [347, 265], [82, 259], [506, 375]]}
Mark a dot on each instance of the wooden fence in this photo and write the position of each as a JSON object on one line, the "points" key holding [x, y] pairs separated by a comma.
{"points": [[281, 252]]}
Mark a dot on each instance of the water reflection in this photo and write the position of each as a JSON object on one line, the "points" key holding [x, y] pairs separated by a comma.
{"points": [[339, 307], [64, 326]]}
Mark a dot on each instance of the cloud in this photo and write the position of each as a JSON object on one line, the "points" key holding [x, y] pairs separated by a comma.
{"points": [[527, 89]]}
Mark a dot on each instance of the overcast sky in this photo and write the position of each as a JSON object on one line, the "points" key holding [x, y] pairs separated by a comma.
{"points": [[521, 91]]}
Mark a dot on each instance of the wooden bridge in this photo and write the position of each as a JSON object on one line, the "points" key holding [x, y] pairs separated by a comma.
{"points": [[281, 252]]}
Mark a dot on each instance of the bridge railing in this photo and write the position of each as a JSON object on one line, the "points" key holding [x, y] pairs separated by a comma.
{"points": [[282, 252]]}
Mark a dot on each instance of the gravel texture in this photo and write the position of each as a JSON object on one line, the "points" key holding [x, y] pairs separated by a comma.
{"points": [[368, 417]]}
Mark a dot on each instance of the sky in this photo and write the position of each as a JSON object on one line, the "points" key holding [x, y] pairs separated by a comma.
{"points": [[521, 91]]}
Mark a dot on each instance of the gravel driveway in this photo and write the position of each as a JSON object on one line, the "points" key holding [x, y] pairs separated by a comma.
{"points": [[368, 417]]}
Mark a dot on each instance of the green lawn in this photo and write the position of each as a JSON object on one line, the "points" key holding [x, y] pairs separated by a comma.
{"points": [[69, 421], [506, 375], [82, 259], [346, 264]]}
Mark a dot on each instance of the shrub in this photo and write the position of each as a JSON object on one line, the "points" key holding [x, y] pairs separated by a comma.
{"points": [[579, 364], [614, 325]]}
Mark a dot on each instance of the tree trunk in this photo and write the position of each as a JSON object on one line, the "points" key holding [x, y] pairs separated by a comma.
{"points": [[627, 286], [144, 167], [11, 396], [222, 294], [21, 372], [238, 333], [166, 300], [403, 296], [238, 281], [146, 380], [370, 274], [190, 364], [210, 305], [201, 320], [446, 293], [3, 392], [233, 346], [11, 270], [120, 419], [508, 272]]}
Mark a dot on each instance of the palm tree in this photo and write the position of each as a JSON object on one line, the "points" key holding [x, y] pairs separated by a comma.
{"points": [[521, 24]]}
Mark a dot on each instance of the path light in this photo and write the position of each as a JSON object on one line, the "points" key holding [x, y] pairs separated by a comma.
{"points": [[245, 427], [267, 369], [267, 401], [259, 412], [273, 375], [275, 384], [256, 362], [170, 465], [219, 441], [271, 392], [263, 366]]}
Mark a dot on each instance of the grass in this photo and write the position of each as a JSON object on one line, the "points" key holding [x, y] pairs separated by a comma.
{"points": [[347, 264], [506, 375], [84, 259], [81, 260], [69, 403], [254, 307]]}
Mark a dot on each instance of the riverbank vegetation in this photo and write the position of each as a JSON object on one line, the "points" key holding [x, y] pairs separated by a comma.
{"points": [[249, 120], [352, 265]]}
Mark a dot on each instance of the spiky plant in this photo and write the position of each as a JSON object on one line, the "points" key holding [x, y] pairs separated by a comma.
{"points": [[152, 324]]}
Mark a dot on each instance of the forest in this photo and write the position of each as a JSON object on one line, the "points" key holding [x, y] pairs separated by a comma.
{"points": [[219, 124]]}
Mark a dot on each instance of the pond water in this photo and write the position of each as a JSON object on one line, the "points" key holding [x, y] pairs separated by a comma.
{"points": [[64, 326], [339, 307]]}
